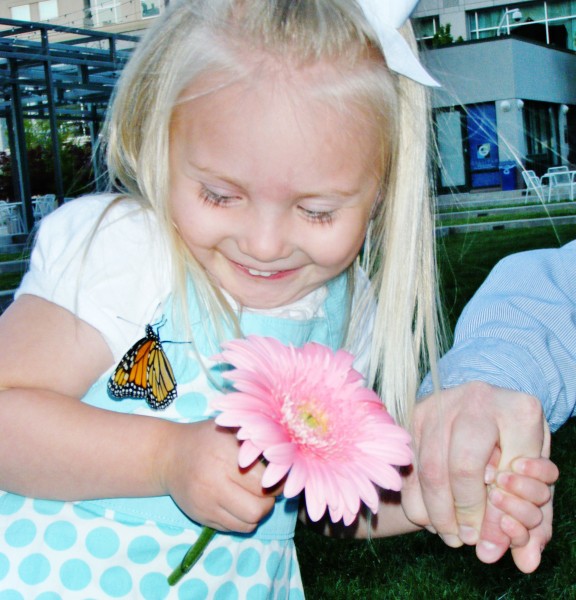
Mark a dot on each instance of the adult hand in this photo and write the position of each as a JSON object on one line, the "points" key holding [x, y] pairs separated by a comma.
{"points": [[459, 435]]}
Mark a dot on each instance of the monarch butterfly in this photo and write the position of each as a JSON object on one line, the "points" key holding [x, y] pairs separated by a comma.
{"points": [[144, 372]]}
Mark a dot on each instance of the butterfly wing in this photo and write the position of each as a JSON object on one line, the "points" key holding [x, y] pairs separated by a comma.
{"points": [[129, 377], [161, 389], [144, 372]]}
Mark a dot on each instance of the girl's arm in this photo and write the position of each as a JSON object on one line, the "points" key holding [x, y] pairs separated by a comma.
{"points": [[46, 347], [390, 520], [54, 446]]}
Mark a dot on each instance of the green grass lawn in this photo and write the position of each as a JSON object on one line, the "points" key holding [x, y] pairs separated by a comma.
{"points": [[479, 217], [10, 281], [420, 566]]}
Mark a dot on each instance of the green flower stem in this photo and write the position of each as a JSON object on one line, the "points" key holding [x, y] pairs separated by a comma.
{"points": [[191, 557]]}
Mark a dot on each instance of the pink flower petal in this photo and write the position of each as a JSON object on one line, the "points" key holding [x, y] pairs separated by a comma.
{"points": [[296, 480], [306, 410], [281, 453], [315, 503], [273, 474], [247, 454], [348, 517]]}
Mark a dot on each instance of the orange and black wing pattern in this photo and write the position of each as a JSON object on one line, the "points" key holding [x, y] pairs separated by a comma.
{"points": [[144, 372]]}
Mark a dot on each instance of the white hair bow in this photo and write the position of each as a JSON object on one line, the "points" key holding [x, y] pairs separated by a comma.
{"points": [[386, 17]]}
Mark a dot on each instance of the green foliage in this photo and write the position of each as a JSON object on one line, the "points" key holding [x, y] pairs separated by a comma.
{"points": [[75, 160], [10, 281], [443, 37], [5, 256]]}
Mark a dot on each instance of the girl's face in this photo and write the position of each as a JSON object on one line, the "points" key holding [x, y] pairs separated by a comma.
{"points": [[270, 189]]}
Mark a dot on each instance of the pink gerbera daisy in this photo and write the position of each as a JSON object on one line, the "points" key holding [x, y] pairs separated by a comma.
{"points": [[306, 411]]}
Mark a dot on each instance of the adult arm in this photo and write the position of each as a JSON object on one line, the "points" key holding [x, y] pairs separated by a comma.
{"points": [[517, 335]]}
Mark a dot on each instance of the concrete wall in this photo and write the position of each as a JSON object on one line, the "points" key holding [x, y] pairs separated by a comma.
{"points": [[501, 69]]}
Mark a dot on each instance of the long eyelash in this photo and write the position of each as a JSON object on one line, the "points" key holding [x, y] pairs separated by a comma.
{"points": [[320, 218], [211, 198]]}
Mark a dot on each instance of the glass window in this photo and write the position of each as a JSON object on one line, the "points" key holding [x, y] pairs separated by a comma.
{"points": [[20, 13], [104, 11], [48, 9], [546, 21], [541, 125], [562, 23], [533, 12], [425, 28]]}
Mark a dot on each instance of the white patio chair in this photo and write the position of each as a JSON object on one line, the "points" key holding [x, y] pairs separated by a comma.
{"points": [[533, 185], [555, 170], [559, 181], [4, 214], [43, 206], [11, 220], [16, 223]]}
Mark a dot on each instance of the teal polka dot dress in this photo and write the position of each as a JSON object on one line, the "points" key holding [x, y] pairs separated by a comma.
{"points": [[126, 548]]}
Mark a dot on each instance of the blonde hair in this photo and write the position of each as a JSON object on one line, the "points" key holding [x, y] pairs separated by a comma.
{"points": [[214, 37]]}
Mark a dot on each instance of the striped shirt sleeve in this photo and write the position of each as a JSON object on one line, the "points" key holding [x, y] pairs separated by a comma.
{"points": [[519, 332]]}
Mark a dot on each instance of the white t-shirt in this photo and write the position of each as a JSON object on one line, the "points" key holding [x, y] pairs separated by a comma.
{"points": [[116, 282]]}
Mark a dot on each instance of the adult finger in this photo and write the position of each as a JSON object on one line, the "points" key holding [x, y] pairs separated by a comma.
{"points": [[412, 501], [474, 446], [523, 428], [431, 435], [494, 542]]}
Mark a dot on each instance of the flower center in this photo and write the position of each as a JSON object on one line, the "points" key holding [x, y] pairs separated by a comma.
{"points": [[307, 421], [313, 420]]}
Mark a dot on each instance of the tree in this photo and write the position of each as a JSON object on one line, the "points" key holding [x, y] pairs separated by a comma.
{"points": [[75, 158]]}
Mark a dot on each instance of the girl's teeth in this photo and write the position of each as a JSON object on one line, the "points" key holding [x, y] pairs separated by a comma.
{"points": [[262, 273]]}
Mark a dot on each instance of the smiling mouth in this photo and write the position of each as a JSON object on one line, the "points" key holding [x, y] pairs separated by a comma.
{"points": [[262, 273], [270, 275]]}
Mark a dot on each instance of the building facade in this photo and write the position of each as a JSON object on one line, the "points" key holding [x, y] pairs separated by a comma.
{"points": [[508, 96], [112, 16]]}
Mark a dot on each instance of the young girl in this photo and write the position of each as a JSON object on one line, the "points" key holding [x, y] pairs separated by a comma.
{"points": [[253, 145]]}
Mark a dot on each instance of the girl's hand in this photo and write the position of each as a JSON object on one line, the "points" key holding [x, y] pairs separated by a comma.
{"points": [[203, 477], [524, 499], [520, 496]]}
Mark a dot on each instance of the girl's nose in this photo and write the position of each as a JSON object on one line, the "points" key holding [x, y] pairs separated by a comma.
{"points": [[265, 240]]}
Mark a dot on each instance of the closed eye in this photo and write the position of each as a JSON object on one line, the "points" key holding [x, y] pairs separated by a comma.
{"points": [[323, 217], [213, 198]]}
